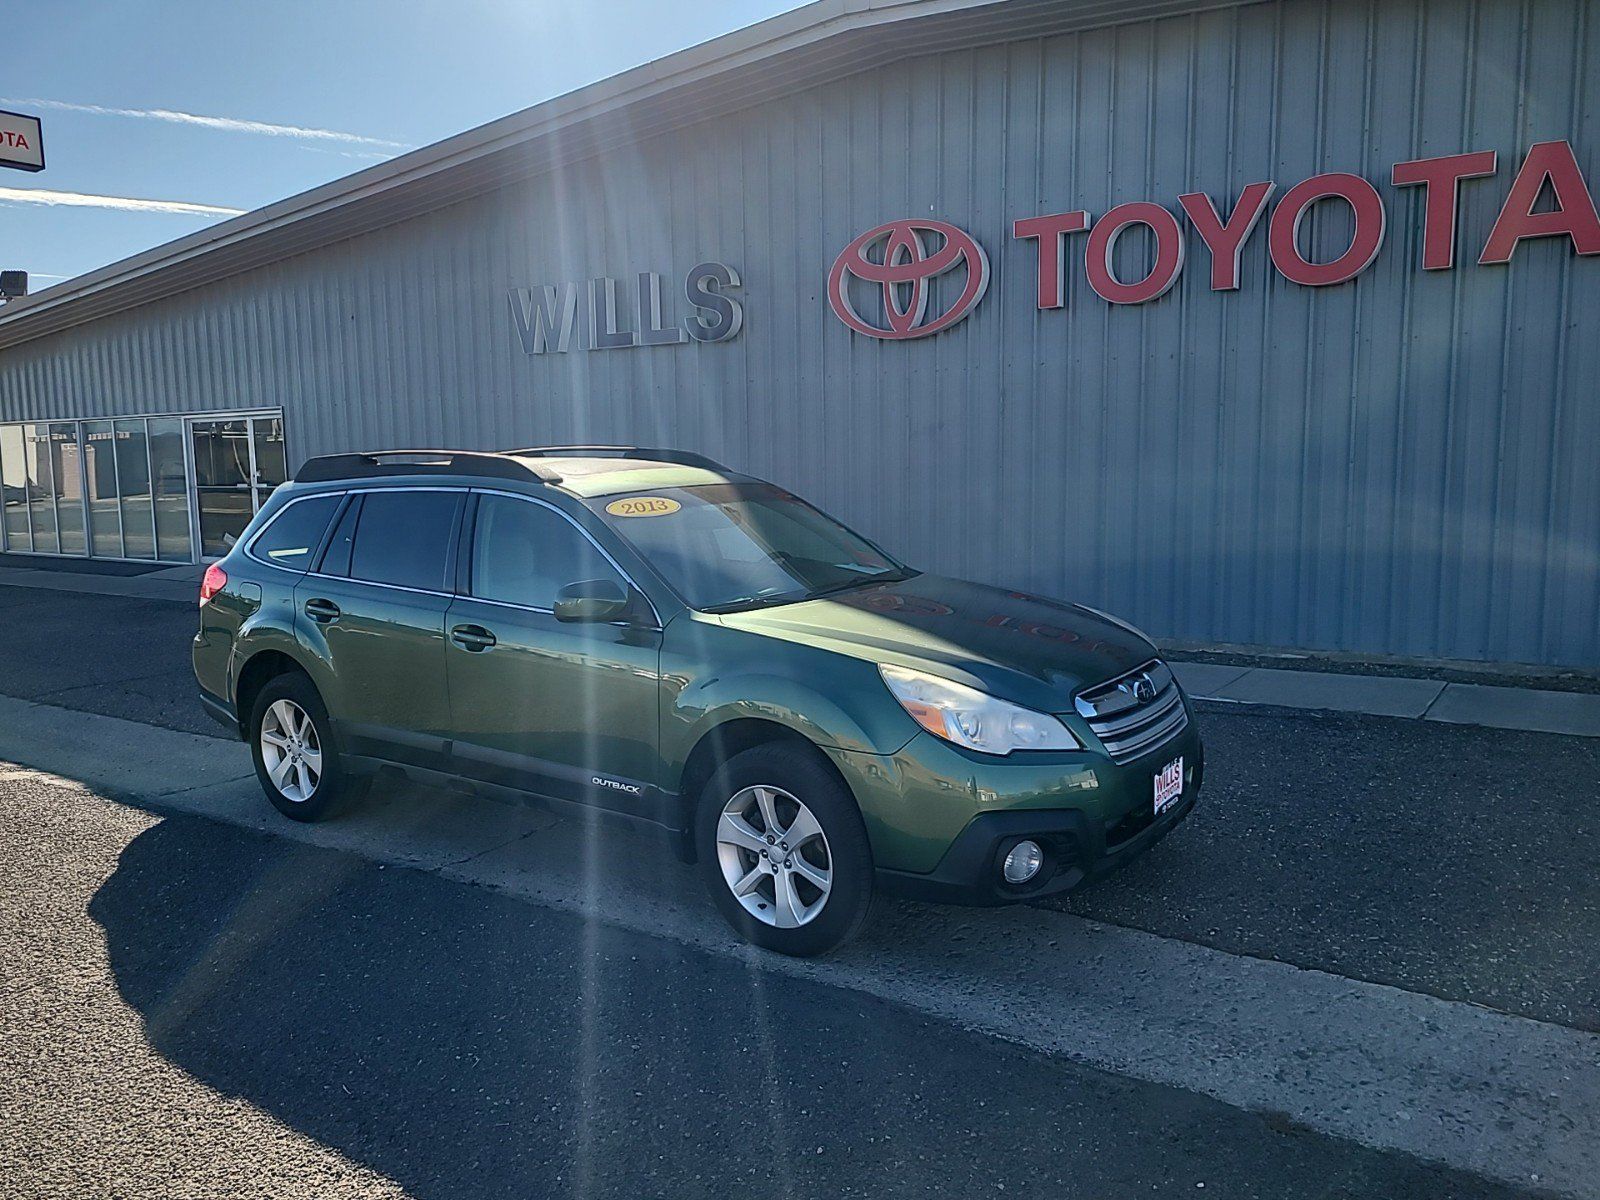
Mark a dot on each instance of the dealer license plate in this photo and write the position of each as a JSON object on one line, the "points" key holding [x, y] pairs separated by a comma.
{"points": [[1169, 785]]}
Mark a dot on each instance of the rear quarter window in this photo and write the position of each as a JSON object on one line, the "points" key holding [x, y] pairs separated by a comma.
{"points": [[294, 534]]}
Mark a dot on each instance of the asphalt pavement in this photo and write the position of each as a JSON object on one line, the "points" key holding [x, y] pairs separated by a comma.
{"points": [[1454, 861], [378, 1031], [194, 1009], [1450, 860], [114, 655]]}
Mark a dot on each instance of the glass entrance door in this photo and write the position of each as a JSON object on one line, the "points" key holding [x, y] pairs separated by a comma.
{"points": [[237, 463]]}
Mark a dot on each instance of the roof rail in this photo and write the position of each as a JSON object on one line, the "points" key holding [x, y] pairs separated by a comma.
{"points": [[370, 463], [686, 458]]}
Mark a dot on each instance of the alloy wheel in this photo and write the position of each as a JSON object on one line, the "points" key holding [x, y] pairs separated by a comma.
{"points": [[774, 856], [291, 750]]}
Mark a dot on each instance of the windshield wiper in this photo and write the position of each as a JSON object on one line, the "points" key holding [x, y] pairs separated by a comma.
{"points": [[896, 576], [745, 603], [772, 599]]}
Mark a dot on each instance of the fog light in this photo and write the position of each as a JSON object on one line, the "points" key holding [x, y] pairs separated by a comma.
{"points": [[1023, 862]]}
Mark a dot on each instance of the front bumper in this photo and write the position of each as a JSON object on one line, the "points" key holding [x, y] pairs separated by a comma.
{"points": [[941, 821], [1075, 852]]}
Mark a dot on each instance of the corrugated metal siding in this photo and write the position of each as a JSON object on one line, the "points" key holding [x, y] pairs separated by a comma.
{"points": [[1402, 465]]}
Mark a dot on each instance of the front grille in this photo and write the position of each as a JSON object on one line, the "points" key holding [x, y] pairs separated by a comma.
{"points": [[1129, 720]]}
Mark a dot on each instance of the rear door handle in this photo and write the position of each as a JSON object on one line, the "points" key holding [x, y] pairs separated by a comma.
{"points": [[473, 638], [322, 611]]}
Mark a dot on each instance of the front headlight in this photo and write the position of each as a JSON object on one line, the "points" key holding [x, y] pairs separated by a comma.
{"points": [[972, 718]]}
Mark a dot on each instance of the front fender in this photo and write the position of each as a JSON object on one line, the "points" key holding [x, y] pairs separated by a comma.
{"points": [[852, 715]]}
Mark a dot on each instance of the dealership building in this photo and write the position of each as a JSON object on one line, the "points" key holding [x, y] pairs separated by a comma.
{"points": [[1260, 324]]}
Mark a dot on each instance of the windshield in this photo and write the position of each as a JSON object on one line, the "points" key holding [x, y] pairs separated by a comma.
{"points": [[728, 546]]}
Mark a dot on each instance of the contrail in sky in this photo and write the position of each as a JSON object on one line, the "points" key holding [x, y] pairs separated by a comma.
{"points": [[13, 195], [228, 124]]}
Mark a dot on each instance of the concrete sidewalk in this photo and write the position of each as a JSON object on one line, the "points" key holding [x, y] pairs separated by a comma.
{"points": [[180, 583], [1571, 713], [1529, 709]]}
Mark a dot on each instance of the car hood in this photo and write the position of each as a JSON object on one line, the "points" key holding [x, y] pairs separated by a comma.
{"points": [[1025, 648]]}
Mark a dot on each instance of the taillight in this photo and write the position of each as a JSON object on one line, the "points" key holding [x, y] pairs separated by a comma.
{"points": [[215, 580]]}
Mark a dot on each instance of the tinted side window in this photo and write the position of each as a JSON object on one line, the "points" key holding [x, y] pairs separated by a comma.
{"points": [[403, 538], [336, 558], [292, 538], [524, 553]]}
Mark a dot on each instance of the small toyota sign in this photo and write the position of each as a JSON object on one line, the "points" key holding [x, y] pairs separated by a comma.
{"points": [[21, 142]]}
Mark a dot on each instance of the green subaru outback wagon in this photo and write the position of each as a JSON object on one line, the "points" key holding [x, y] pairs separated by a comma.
{"points": [[648, 633]]}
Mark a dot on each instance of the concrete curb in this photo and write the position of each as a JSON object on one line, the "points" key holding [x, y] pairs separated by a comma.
{"points": [[1570, 713], [179, 584]]}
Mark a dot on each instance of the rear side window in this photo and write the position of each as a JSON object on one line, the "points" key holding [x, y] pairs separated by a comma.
{"points": [[403, 538], [336, 558], [524, 553], [294, 534]]}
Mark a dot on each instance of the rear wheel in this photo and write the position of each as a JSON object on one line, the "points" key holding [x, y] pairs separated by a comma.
{"points": [[295, 755], [784, 851]]}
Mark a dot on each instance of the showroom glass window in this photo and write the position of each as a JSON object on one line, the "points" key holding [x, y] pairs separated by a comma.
{"points": [[169, 473], [80, 487], [66, 474], [100, 489], [41, 488], [14, 489], [133, 489]]}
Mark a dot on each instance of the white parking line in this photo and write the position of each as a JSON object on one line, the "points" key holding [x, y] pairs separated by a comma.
{"points": [[1504, 1097]]}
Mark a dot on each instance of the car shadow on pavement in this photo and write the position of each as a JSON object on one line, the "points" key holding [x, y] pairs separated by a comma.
{"points": [[465, 1043], [460, 1042]]}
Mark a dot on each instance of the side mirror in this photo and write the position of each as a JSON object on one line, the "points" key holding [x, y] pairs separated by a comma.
{"points": [[593, 600]]}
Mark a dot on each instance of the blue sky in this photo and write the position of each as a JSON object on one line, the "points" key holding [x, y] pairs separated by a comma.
{"points": [[363, 78]]}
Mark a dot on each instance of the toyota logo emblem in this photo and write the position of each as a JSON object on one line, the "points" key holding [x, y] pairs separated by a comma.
{"points": [[1141, 688], [913, 253]]}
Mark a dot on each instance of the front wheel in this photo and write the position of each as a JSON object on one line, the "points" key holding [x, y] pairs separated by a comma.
{"points": [[784, 851], [292, 743]]}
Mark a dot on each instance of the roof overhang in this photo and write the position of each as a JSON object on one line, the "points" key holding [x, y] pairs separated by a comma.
{"points": [[819, 43]]}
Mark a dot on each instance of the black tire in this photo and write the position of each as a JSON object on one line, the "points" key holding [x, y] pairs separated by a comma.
{"points": [[336, 786], [803, 773]]}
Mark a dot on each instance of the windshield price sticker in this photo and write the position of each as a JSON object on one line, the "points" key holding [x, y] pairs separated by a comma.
{"points": [[642, 506]]}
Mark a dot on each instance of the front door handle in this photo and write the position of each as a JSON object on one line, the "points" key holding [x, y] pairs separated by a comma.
{"points": [[473, 638], [322, 611]]}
